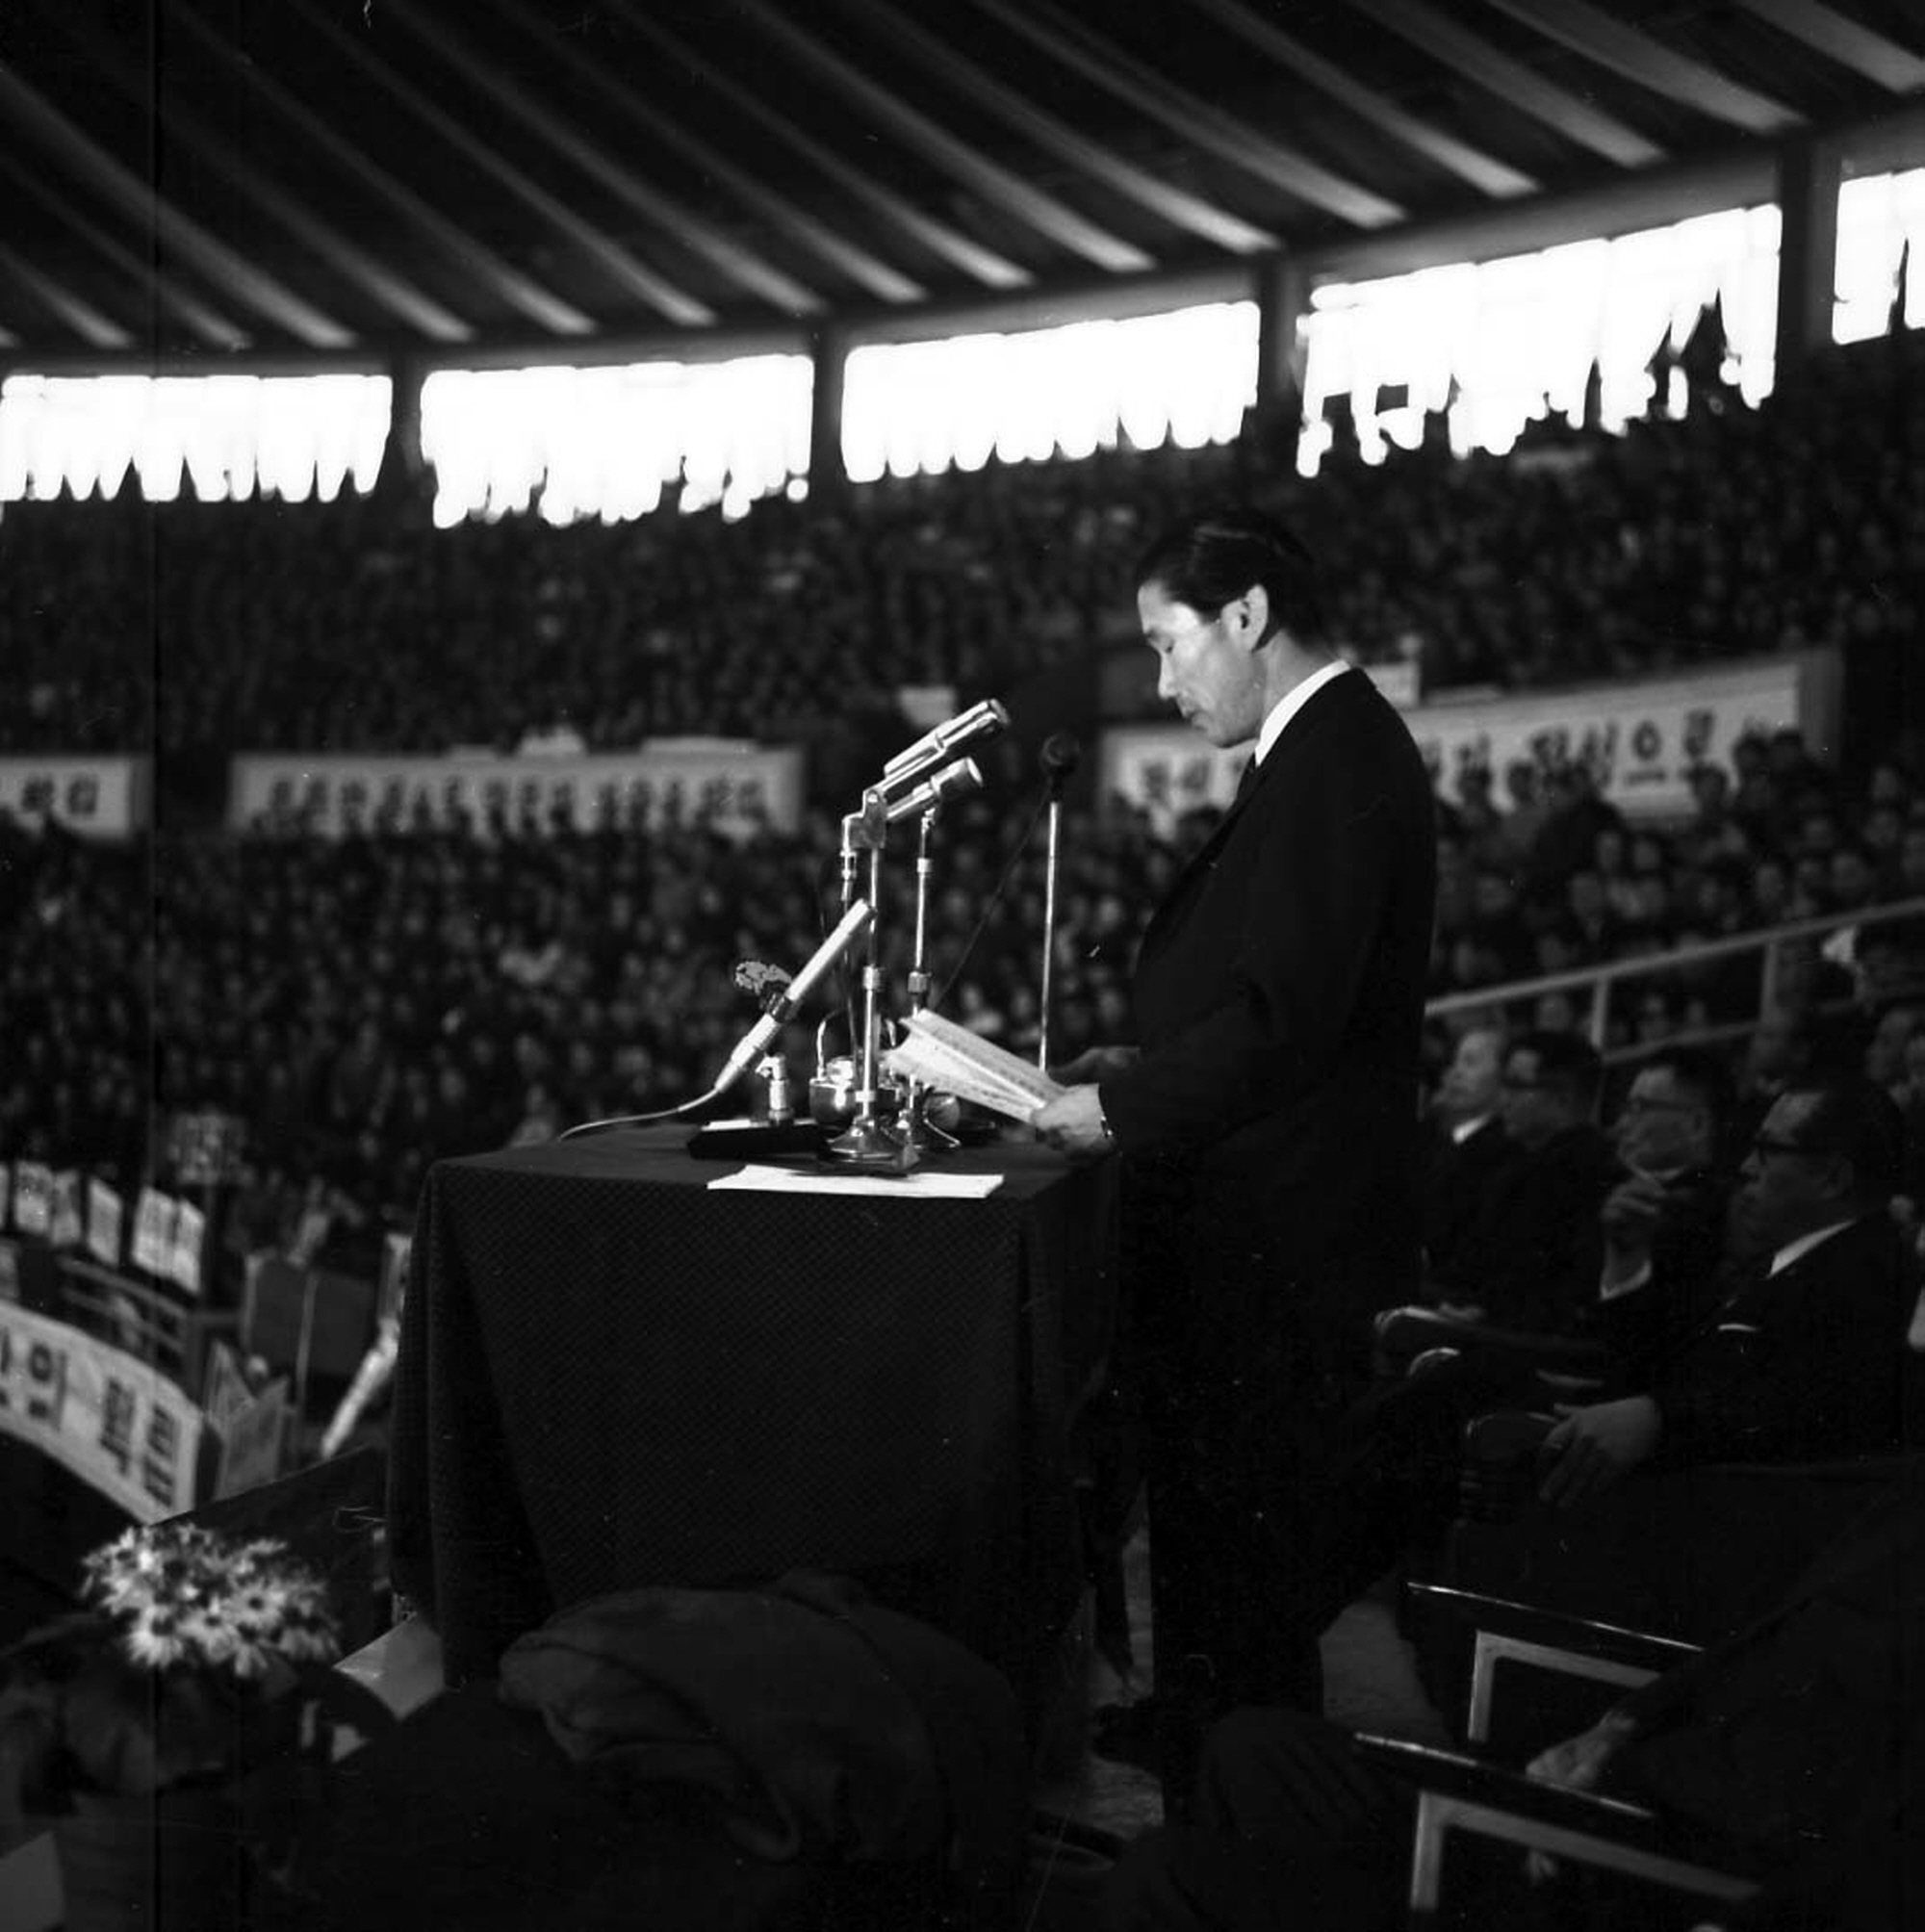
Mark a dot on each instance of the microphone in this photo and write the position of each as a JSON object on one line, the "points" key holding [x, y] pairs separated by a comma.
{"points": [[982, 720], [782, 1008], [1061, 754], [952, 781]]}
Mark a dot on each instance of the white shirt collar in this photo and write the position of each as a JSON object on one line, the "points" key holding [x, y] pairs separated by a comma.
{"points": [[1797, 1251], [1464, 1129], [1292, 701]]}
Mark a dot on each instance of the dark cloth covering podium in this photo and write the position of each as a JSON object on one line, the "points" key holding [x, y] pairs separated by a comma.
{"points": [[610, 1376]]}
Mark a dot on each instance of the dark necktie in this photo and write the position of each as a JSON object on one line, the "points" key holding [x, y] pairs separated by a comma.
{"points": [[1247, 781]]}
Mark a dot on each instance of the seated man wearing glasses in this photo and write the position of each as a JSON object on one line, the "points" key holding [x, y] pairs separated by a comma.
{"points": [[1529, 1259], [1663, 1225], [1805, 1355]]}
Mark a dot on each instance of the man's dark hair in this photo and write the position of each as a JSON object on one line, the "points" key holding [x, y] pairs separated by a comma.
{"points": [[1567, 1063], [1859, 1121], [1210, 559], [1702, 1073]]}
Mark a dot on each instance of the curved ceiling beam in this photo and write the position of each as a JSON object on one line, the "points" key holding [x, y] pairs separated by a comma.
{"points": [[1034, 209], [671, 303], [96, 330], [680, 224], [517, 291], [1628, 51], [801, 230], [1482, 172], [1828, 31], [243, 281], [1174, 205], [1523, 87], [388, 290], [961, 251], [1199, 122], [209, 325]]}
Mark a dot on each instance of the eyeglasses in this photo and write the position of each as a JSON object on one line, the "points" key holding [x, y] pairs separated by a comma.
{"points": [[1772, 1143], [1635, 1105], [1517, 1083]]}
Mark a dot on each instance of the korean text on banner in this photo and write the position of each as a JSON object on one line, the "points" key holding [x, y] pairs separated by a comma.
{"points": [[735, 789], [120, 1425]]}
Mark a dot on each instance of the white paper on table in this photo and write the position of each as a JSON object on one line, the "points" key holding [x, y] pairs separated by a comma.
{"points": [[953, 1060], [917, 1185]]}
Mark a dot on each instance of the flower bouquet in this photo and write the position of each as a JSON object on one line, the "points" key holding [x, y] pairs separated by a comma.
{"points": [[196, 1659]]}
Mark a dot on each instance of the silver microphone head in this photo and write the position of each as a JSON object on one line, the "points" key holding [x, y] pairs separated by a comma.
{"points": [[952, 781], [980, 721]]}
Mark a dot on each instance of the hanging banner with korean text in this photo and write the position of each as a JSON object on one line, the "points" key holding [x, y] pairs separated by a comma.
{"points": [[735, 789], [96, 797], [105, 1216], [118, 1425], [32, 1198], [1641, 742]]}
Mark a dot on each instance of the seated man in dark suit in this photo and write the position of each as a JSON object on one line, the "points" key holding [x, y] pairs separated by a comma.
{"points": [[1801, 1355], [1529, 1259], [1805, 1357], [1465, 1144], [1662, 1225], [1794, 1741]]}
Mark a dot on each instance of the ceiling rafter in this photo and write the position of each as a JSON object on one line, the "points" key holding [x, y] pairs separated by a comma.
{"points": [[1484, 172], [1029, 205], [982, 265], [671, 303], [1489, 68], [517, 290], [1198, 121], [1185, 211], [205, 323], [242, 280], [390, 292], [832, 247], [1628, 50], [742, 266], [95, 329], [1847, 41]]}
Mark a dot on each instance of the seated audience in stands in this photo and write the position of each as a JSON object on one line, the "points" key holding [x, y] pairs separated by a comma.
{"points": [[1789, 1750], [1527, 1259], [1804, 1356]]}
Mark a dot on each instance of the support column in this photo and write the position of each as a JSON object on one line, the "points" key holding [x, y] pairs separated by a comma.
{"points": [[831, 352], [1283, 297], [1809, 174], [403, 467]]}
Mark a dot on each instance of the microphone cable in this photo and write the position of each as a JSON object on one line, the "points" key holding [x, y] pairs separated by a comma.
{"points": [[939, 993], [643, 1120]]}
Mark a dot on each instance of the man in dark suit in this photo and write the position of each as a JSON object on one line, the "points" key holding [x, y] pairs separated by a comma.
{"points": [[1267, 1121], [1794, 1743], [1529, 1259], [1466, 1143], [1805, 1357], [1663, 1225]]}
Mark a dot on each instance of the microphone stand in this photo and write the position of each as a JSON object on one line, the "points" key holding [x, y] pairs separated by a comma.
{"points": [[916, 1131], [1052, 846], [867, 1142]]}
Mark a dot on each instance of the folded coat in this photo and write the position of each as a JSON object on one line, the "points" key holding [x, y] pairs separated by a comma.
{"points": [[813, 1721]]}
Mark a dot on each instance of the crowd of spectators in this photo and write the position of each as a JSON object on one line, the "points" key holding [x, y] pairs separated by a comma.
{"points": [[358, 625], [372, 1003]]}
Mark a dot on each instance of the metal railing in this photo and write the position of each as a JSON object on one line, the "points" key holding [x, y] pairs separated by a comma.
{"points": [[1597, 981]]}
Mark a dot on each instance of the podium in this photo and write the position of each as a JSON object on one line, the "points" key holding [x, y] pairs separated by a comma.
{"points": [[611, 1373]]}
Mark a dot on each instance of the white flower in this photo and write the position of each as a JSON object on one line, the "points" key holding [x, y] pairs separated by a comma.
{"points": [[153, 1640], [186, 1595]]}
